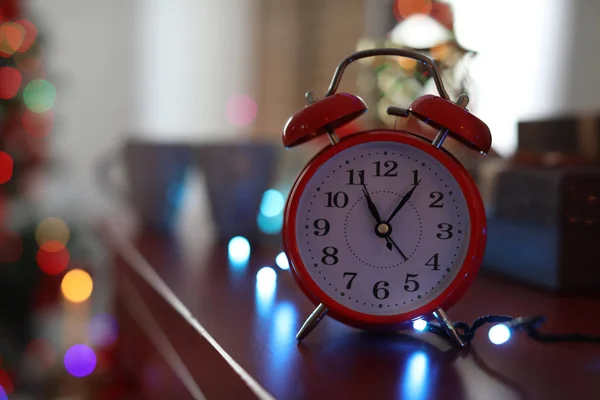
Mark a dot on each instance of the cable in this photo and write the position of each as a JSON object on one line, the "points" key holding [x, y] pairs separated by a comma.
{"points": [[528, 324]]}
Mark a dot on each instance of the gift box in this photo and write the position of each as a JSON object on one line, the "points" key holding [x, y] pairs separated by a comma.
{"points": [[545, 227]]}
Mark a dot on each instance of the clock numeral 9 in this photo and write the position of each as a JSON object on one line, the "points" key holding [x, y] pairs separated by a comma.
{"points": [[379, 290], [322, 226], [411, 284], [330, 257], [390, 165], [446, 231], [339, 199], [352, 275], [360, 174], [437, 199]]}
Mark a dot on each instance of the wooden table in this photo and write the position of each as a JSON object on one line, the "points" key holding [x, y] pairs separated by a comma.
{"points": [[193, 325]]}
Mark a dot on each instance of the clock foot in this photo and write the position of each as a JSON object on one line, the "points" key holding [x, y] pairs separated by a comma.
{"points": [[445, 323], [312, 321]]}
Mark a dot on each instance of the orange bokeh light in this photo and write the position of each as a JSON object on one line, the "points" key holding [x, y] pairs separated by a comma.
{"points": [[6, 167], [53, 257], [30, 34], [77, 286], [406, 8], [37, 125], [10, 82], [12, 35]]}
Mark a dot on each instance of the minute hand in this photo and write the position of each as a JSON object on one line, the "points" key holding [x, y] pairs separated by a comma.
{"points": [[404, 200]]}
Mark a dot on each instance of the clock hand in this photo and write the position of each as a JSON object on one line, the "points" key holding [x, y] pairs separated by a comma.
{"points": [[404, 200], [391, 242], [372, 207]]}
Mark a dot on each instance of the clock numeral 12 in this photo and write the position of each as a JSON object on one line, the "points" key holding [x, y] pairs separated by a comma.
{"points": [[390, 165]]}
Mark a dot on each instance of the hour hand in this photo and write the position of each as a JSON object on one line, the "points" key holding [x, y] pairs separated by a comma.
{"points": [[371, 205]]}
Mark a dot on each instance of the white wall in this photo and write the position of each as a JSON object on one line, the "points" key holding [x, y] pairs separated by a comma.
{"points": [[522, 66]]}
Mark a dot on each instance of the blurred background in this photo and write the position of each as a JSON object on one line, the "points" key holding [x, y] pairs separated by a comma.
{"points": [[168, 114]]}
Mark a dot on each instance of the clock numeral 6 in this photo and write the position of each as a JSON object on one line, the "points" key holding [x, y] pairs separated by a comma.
{"points": [[446, 231], [411, 284], [352, 275], [322, 226], [379, 290], [339, 199], [330, 257]]}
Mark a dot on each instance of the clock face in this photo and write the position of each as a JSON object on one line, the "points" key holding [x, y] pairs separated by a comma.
{"points": [[382, 228]]}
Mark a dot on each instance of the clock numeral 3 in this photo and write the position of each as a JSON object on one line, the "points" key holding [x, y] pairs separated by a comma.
{"points": [[411, 284], [356, 177], [446, 231], [322, 226], [390, 165], [437, 202], [330, 257], [352, 275], [379, 290], [433, 262], [339, 199]]}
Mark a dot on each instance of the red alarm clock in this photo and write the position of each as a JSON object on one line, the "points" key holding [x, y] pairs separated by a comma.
{"points": [[384, 226]]}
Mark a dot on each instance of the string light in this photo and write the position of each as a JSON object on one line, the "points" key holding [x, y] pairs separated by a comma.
{"points": [[238, 249], [80, 360], [499, 334], [10, 82], [77, 286], [6, 167], [419, 325], [282, 261], [39, 95]]}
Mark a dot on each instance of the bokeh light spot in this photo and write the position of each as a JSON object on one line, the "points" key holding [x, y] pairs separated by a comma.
{"points": [[39, 95], [53, 257], [419, 325], [37, 125], [282, 261], [241, 110], [11, 247], [269, 225], [272, 203], [30, 34], [77, 286], [499, 334], [10, 82], [6, 167], [103, 330], [12, 35], [30, 61], [3, 395], [405, 8], [80, 360], [52, 230], [239, 249]]}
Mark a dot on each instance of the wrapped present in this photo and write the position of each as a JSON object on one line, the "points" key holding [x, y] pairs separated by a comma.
{"points": [[545, 227]]}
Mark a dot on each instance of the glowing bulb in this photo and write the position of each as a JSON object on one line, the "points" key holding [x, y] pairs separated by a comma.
{"points": [[52, 229], [499, 334], [39, 95], [272, 203], [77, 286], [239, 249], [266, 275], [3, 395], [420, 325], [282, 261]]}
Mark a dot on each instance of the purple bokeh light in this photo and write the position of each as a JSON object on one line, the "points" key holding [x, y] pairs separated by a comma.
{"points": [[3, 395], [80, 360]]}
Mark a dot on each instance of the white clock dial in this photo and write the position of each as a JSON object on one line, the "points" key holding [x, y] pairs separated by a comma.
{"points": [[382, 268]]}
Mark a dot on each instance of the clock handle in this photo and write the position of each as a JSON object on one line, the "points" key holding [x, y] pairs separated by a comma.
{"points": [[312, 321], [446, 323]]}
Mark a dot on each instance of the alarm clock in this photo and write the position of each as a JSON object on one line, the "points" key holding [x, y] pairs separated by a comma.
{"points": [[384, 227]]}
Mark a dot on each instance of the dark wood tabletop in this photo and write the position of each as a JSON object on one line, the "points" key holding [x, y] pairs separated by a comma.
{"points": [[222, 335]]}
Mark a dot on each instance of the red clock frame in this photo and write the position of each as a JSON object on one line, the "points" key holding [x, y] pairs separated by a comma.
{"points": [[450, 295]]}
